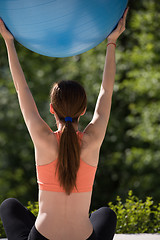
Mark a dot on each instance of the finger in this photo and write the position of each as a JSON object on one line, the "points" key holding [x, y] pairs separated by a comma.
{"points": [[1, 22], [125, 14], [125, 17], [2, 26], [120, 21], [120, 24]]}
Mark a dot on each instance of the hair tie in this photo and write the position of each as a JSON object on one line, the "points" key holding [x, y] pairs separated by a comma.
{"points": [[68, 119]]}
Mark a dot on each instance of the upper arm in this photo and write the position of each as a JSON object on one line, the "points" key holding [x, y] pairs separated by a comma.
{"points": [[37, 127], [96, 129]]}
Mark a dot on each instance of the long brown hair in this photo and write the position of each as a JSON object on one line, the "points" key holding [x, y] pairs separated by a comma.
{"points": [[68, 99]]}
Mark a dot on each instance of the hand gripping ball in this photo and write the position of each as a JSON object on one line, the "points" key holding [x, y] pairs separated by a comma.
{"points": [[61, 28]]}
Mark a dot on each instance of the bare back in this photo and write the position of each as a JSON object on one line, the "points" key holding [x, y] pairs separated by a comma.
{"points": [[62, 216]]}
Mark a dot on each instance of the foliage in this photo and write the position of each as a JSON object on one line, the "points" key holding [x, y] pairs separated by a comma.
{"points": [[33, 207], [136, 216], [2, 232]]}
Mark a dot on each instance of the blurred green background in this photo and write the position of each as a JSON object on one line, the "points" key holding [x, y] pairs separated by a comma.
{"points": [[130, 154]]}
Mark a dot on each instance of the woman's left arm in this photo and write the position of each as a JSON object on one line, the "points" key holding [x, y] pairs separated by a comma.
{"points": [[35, 124]]}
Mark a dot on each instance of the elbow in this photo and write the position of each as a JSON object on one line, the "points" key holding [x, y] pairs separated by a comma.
{"points": [[107, 91]]}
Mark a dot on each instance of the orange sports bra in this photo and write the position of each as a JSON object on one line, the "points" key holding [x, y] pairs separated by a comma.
{"points": [[48, 181]]}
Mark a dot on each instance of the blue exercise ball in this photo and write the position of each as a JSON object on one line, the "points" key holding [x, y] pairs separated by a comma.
{"points": [[61, 28]]}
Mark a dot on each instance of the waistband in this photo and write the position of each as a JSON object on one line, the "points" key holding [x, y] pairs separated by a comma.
{"points": [[34, 235]]}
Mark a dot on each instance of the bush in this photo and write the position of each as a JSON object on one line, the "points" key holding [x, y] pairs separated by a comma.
{"points": [[133, 216]]}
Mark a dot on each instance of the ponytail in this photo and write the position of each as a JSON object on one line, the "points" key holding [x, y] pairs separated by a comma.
{"points": [[68, 98], [68, 158]]}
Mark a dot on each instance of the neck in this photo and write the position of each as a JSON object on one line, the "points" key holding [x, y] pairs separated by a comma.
{"points": [[60, 126]]}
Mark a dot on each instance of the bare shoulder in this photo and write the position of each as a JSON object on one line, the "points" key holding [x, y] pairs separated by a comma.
{"points": [[47, 150], [47, 139], [91, 137], [90, 150]]}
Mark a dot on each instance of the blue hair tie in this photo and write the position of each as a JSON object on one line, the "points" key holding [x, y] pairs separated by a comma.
{"points": [[68, 119]]}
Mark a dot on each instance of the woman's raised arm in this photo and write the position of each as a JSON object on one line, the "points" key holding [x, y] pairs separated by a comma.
{"points": [[35, 124], [97, 127]]}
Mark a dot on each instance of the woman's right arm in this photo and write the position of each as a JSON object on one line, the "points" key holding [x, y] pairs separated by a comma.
{"points": [[37, 127], [98, 125]]}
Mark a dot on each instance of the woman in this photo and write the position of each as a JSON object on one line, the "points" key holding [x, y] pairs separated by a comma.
{"points": [[66, 160]]}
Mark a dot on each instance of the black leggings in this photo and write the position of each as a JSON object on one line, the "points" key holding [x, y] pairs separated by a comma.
{"points": [[19, 222]]}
